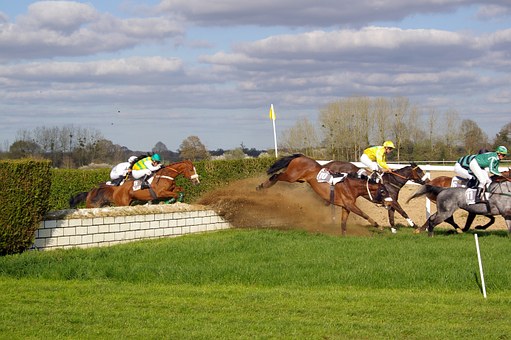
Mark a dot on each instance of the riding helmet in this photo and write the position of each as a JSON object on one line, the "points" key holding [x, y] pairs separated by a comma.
{"points": [[389, 144], [502, 150], [156, 157]]}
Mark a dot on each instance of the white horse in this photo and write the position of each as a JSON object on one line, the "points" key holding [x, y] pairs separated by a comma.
{"points": [[448, 200]]}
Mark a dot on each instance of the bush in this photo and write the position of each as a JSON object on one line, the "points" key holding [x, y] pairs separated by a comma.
{"points": [[24, 200]]}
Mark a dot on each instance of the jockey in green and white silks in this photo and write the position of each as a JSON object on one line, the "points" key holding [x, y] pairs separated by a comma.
{"points": [[475, 164], [146, 166]]}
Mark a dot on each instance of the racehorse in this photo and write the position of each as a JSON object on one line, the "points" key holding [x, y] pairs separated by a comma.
{"points": [[299, 168], [393, 181], [162, 186], [448, 200], [446, 182]]}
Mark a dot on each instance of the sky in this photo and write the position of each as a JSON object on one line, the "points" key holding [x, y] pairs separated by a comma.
{"points": [[143, 72]]}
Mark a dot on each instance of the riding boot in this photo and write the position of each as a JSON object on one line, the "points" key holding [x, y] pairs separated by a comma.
{"points": [[480, 195], [145, 183], [472, 183]]}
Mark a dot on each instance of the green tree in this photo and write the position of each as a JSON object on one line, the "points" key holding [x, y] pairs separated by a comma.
{"points": [[473, 137], [192, 148]]}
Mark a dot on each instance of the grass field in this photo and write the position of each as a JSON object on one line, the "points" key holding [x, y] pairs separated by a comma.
{"points": [[263, 284]]}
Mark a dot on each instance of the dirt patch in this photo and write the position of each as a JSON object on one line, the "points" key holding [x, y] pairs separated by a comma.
{"points": [[296, 206]]}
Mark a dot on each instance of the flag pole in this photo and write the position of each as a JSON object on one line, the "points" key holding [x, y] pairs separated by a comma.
{"points": [[273, 118]]}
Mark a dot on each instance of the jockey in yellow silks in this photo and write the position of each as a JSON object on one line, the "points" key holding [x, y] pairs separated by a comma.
{"points": [[375, 157]]}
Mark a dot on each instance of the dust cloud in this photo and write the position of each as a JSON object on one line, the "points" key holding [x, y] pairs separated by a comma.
{"points": [[283, 206]]}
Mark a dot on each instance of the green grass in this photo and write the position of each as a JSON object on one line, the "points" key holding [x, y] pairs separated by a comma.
{"points": [[262, 284]]}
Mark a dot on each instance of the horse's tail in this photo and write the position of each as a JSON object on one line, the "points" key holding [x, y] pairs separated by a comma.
{"points": [[282, 163], [430, 190], [77, 199]]}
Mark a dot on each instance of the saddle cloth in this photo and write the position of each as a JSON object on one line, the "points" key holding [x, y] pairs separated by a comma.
{"points": [[324, 176], [137, 184], [470, 196]]}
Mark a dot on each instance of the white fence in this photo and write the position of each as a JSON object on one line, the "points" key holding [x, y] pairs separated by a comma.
{"points": [[108, 226]]}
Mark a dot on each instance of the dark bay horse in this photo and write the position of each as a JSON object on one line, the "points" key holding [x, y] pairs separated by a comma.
{"points": [[393, 181], [299, 168], [448, 200], [162, 186]]}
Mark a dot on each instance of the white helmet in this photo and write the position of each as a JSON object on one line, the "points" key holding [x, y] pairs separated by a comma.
{"points": [[132, 159]]}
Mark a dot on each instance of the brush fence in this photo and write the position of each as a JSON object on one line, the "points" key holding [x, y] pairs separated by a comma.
{"points": [[98, 227]]}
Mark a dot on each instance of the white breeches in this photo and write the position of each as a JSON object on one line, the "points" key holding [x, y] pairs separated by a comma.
{"points": [[461, 171], [481, 174], [369, 163], [140, 173]]}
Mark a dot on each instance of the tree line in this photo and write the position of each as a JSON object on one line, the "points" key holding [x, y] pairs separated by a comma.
{"points": [[74, 147], [344, 128], [347, 126]]}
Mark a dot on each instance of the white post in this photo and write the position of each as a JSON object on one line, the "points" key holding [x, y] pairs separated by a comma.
{"points": [[428, 201], [480, 266], [273, 118], [275, 139]]}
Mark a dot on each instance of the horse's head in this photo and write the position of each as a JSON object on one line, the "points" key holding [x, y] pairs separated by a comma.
{"points": [[185, 168], [417, 175]]}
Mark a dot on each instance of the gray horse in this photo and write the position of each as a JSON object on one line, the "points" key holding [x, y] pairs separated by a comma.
{"points": [[451, 199]]}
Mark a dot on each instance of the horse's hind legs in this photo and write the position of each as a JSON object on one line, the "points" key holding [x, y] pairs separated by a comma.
{"points": [[269, 183]]}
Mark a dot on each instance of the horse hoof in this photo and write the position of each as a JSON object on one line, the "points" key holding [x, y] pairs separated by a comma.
{"points": [[417, 231], [459, 231], [393, 230]]}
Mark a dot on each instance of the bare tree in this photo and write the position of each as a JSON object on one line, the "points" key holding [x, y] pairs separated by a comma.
{"points": [[302, 137], [382, 117], [451, 136]]}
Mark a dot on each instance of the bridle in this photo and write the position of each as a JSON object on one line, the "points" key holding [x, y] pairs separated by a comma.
{"points": [[195, 176], [410, 177]]}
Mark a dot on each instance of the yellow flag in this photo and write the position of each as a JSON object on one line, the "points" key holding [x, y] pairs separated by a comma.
{"points": [[272, 113]]}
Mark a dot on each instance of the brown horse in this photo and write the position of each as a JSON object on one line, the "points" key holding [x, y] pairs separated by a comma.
{"points": [[446, 182], [393, 181], [299, 168], [162, 187]]}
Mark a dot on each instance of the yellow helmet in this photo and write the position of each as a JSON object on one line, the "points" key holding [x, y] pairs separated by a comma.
{"points": [[389, 144]]}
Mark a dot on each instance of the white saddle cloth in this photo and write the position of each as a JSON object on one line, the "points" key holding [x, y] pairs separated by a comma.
{"points": [[324, 176]]}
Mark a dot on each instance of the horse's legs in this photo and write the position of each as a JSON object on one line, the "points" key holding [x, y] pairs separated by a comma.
{"points": [[397, 207], [508, 222], [269, 183], [350, 206], [468, 222], [489, 223], [455, 225], [344, 220]]}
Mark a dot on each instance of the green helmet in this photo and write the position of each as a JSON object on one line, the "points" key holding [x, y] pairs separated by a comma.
{"points": [[156, 157], [502, 150]]}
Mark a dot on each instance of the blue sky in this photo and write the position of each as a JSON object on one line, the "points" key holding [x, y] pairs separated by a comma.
{"points": [[141, 72]]}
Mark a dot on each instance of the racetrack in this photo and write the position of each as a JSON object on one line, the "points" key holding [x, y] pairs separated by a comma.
{"points": [[295, 205]]}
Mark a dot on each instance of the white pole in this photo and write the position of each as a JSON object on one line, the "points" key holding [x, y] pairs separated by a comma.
{"points": [[480, 265], [428, 202], [272, 117]]}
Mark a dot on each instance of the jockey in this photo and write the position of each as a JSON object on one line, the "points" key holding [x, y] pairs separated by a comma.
{"points": [[475, 164], [121, 170], [375, 157], [145, 167]]}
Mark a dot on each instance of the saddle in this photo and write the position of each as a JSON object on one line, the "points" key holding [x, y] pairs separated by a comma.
{"points": [[332, 178], [459, 182]]}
